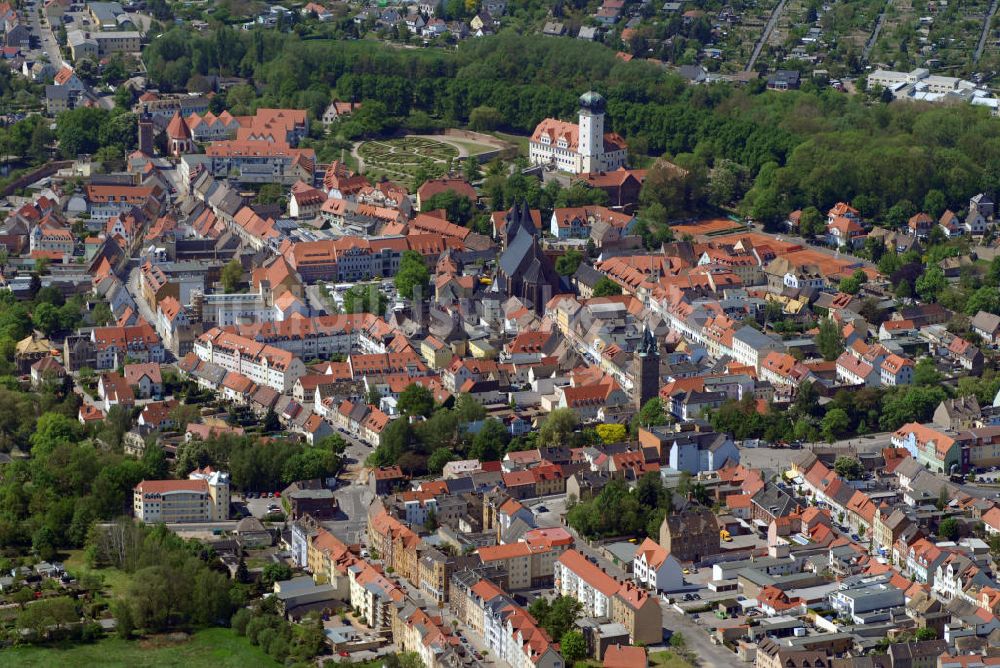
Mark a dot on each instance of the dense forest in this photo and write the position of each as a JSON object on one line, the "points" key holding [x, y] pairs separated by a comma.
{"points": [[801, 148]]}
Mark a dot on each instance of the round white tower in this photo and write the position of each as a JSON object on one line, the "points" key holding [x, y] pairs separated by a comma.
{"points": [[591, 140]]}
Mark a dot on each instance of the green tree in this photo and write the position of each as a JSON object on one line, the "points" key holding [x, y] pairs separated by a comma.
{"points": [[930, 284], [438, 458], [53, 430], [559, 426], [415, 399], [829, 340], [986, 298], [557, 616], [231, 275], [271, 193], [485, 118], [46, 317], [459, 209], [568, 262], [835, 424], [365, 299], [852, 284], [275, 572], [490, 441], [949, 529], [573, 647], [41, 616], [925, 372], [812, 223], [651, 414], [605, 287], [79, 131], [413, 275], [678, 187], [848, 468]]}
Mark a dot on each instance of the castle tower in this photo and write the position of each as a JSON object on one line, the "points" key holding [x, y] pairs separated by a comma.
{"points": [[591, 138], [645, 369]]}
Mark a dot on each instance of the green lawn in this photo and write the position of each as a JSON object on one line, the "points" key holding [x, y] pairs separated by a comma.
{"points": [[667, 660], [471, 147], [115, 581], [211, 648], [520, 141]]}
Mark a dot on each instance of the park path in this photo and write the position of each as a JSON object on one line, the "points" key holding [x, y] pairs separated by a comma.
{"points": [[870, 44], [986, 31], [765, 35]]}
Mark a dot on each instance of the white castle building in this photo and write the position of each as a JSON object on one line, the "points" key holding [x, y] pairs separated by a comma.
{"points": [[579, 148]]}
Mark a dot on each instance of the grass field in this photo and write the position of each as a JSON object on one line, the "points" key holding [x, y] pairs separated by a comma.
{"points": [[116, 582], [211, 648]]}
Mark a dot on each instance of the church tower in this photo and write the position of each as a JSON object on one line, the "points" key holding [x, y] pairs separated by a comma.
{"points": [[591, 139], [146, 134], [645, 369]]}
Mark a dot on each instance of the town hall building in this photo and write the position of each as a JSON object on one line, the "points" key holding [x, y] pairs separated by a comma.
{"points": [[579, 148]]}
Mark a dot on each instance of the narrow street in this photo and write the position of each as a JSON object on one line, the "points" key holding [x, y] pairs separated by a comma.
{"points": [[134, 287], [46, 37]]}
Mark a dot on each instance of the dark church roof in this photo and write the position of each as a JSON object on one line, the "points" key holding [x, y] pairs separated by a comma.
{"points": [[525, 271]]}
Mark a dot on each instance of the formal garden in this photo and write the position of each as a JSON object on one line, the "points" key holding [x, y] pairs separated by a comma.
{"points": [[406, 158]]}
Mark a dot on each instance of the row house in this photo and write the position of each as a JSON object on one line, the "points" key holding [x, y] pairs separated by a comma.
{"points": [[427, 635], [252, 161], [777, 369], [209, 127], [852, 370], [590, 401], [111, 346], [351, 259], [360, 420], [959, 577], [394, 542], [930, 447], [49, 236], [107, 201], [304, 200], [601, 595], [510, 633], [419, 506], [577, 222], [528, 562], [373, 594], [357, 218], [922, 560], [263, 364], [323, 337]]}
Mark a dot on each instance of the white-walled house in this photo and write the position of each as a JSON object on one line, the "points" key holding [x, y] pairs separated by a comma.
{"points": [[657, 569]]}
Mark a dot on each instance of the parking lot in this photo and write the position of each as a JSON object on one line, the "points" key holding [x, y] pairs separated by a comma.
{"points": [[259, 507]]}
